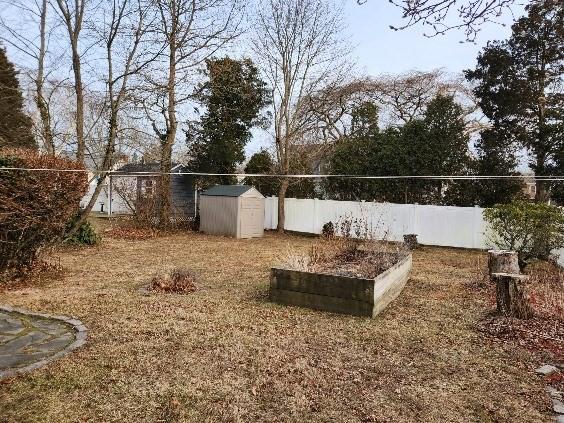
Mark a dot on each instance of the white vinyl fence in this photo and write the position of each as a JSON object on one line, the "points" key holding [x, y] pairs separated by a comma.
{"points": [[447, 226]]}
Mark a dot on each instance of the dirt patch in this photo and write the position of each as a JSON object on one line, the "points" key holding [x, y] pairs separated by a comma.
{"points": [[224, 353]]}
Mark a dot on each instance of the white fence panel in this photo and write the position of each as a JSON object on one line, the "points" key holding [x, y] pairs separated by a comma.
{"points": [[446, 226], [434, 225]]}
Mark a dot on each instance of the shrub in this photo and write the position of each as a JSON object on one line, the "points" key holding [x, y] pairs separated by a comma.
{"points": [[328, 230], [85, 235], [35, 206], [531, 229]]}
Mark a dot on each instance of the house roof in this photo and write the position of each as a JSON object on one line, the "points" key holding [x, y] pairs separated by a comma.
{"points": [[227, 190], [146, 167]]}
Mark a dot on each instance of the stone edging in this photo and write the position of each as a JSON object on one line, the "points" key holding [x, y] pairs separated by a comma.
{"points": [[79, 339], [556, 397]]}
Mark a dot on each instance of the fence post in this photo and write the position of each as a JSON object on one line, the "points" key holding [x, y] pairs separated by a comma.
{"points": [[315, 212], [414, 221], [476, 215]]}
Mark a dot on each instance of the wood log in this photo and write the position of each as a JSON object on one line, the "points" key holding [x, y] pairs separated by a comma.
{"points": [[503, 261], [511, 298]]}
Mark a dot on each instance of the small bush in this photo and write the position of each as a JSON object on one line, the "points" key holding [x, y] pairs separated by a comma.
{"points": [[355, 252], [35, 206], [85, 235], [328, 230], [531, 229], [179, 281]]}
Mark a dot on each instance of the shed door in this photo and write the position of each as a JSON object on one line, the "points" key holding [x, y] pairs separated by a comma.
{"points": [[252, 217]]}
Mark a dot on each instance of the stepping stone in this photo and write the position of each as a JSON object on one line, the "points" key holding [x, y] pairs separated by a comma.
{"points": [[558, 406], [30, 338], [51, 327], [56, 344], [546, 370], [28, 341], [10, 325]]}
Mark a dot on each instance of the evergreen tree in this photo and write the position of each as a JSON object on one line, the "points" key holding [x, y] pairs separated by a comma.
{"points": [[496, 156], [557, 191], [434, 145], [354, 155], [233, 96], [15, 124], [519, 85], [262, 163]]}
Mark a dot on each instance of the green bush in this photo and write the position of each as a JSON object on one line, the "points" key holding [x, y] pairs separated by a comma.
{"points": [[85, 235], [531, 229]]}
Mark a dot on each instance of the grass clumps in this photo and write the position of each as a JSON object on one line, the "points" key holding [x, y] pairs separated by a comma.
{"points": [[349, 248]]}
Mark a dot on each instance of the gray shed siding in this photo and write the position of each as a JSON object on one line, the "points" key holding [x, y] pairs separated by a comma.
{"points": [[218, 215], [233, 211]]}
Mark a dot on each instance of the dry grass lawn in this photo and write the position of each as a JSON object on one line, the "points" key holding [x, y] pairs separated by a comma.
{"points": [[224, 353]]}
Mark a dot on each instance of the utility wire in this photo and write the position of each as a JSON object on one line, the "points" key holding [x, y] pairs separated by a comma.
{"points": [[550, 178]]}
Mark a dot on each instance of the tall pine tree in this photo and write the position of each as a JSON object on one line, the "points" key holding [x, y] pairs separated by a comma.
{"points": [[519, 86], [233, 96], [496, 156], [15, 124]]}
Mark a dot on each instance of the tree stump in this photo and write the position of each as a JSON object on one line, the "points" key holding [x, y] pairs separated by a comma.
{"points": [[503, 261], [510, 295], [410, 240]]}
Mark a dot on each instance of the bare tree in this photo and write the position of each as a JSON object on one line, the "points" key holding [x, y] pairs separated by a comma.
{"points": [[436, 13], [124, 26], [72, 14], [333, 105], [35, 48], [299, 47], [400, 98], [186, 33]]}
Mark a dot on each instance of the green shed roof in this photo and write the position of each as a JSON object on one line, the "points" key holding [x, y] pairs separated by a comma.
{"points": [[227, 190]]}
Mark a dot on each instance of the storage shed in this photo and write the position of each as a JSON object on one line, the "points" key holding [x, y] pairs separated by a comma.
{"points": [[232, 210]]}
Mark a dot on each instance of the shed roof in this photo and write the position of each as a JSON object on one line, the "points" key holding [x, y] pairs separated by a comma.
{"points": [[227, 190]]}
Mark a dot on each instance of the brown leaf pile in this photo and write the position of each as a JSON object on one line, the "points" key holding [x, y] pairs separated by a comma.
{"points": [[131, 232], [537, 335], [179, 281]]}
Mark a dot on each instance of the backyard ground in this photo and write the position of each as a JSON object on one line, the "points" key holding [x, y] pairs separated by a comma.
{"points": [[224, 353]]}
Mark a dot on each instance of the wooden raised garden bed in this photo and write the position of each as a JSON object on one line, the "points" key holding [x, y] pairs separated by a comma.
{"points": [[339, 294]]}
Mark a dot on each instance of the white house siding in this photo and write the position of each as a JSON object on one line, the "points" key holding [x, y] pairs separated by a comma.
{"points": [[119, 206]]}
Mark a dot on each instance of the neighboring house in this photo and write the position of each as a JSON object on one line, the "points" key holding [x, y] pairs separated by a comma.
{"points": [[529, 186], [134, 185]]}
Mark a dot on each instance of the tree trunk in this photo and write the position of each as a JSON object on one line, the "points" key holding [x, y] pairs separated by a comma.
{"points": [[284, 183], [410, 240], [79, 93], [42, 105], [503, 261], [510, 295], [165, 201]]}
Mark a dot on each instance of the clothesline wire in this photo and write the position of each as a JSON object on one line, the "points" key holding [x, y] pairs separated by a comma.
{"points": [[546, 178]]}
